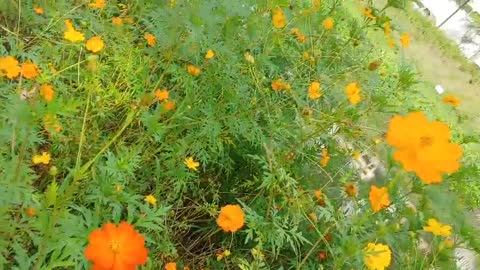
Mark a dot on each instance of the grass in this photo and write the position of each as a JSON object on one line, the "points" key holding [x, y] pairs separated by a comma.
{"points": [[445, 65]]}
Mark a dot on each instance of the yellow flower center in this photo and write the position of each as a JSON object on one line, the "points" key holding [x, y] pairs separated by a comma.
{"points": [[426, 141], [115, 246]]}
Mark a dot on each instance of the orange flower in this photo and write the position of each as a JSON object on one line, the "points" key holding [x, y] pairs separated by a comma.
{"points": [[97, 4], [423, 146], [151, 39], [117, 21], [231, 218], [171, 266], [368, 13], [280, 85], [30, 70], [47, 92], [328, 23], [451, 100], [71, 34], [113, 247], [325, 158], [353, 93], [278, 18], [169, 105], [314, 90], [193, 70], [161, 94], [299, 36], [9, 67], [405, 40], [379, 198], [95, 44], [31, 212], [391, 42], [38, 10]]}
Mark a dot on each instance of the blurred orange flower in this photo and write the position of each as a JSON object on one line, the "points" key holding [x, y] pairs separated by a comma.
{"points": [[151, 39], [97, 4], [171, 266], [328, 23], [423, 146], [169, 105], [47, 92], [9, 67], [161, 94], [193, 70], [95, 44], [451, 100], [405, 40], [38, 10], [30, 70], [353, 93], [278, 18], [379, 198], [280, 85], [112, 247], [117, 21], [368, 13], [298, 35], [325, 158], [231, 218], [314, 90]]}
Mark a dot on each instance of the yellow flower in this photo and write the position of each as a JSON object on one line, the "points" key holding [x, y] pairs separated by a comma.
{"points": [[316, 4], [353, 92], [368, 13], [191, 163], [405, 40], [328, 23], [387, 29], [151, 39], [30, 70], [227, 253], [325, 158], [377, 256], [423, 146], [210, 54], [117, 21], [314, 90], [97, 4], [9, 67], [118, 188], [38, 10], [44, 158], [379, 198], [231, 218], [193, 70], [47, 92], [95, 44], [437, 228], [151, 200], [71, 34], [278, 18], [451, 100]]}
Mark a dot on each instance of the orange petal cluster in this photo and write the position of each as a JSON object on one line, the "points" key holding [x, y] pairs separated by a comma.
{"points": [[116, 247], [423, 146], [231, 218]]}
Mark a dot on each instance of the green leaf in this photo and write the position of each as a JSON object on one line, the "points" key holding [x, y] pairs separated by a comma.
{"points": [[51, 194]]}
